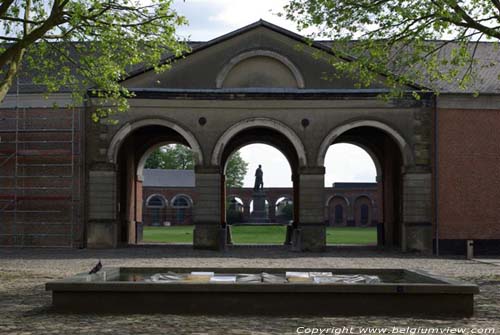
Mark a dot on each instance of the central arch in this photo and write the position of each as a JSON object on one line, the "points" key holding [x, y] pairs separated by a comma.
{"points": [[264, 131], [267, 123]]}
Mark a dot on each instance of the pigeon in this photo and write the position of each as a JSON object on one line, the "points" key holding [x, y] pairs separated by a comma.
{"points": [[96, 268]]}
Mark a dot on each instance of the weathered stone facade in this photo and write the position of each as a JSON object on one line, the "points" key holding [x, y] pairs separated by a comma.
{"points": [[302, 120]]}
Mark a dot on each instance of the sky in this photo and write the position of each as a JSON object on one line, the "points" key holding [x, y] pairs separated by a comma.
{"points": [[212, 18], [209, 19], [343, 163]]}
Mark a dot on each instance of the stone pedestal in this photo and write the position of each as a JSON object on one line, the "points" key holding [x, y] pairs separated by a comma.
{"points": [[418, 237], [417, 228], [208, 231], [289, 234], [210, 237], [102, 234], [103, 225], [309, 238], [310, 233], [259, 213]]}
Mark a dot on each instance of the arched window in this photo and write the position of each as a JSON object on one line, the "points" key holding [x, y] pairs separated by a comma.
{"points": [[154, 206], [364, 214], [283, 204], [339, 214], [156, 201], [235, 209], [235, 204], [181, 201]]}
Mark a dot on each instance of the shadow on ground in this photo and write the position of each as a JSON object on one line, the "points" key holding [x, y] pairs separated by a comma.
{"points": [[187, 251]]}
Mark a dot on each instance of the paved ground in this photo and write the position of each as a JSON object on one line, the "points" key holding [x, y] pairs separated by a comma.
{"points": [[494, 261], [25, 306]]}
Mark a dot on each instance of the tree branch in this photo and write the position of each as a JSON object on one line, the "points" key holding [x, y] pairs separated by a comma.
{"points": [[136, 24], [60, 36], [4, 7], [496, 3], [10, 39], [16, 19], [52, 21], [471, 63], [468, 21], [14, 64], [26, 25]]}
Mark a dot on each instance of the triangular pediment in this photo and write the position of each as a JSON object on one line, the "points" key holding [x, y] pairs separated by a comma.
{"points": [[260, 55]]}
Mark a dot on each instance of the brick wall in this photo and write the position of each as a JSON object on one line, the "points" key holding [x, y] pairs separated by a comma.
{"points": [[40, 177], [469, 174]]}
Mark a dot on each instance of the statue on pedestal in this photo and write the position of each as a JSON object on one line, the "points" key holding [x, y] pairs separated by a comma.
{"points": [[259, 213], [259, 181]]}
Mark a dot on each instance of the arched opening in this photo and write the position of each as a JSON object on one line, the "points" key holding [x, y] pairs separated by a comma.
{"points": [[130, 149], [169, 170], [339, 214], [265, 146], [374, 190], [337, 208], [156, 206], [236, 212], [350, 178], [363, 210], [182, 205], [284, 209]]}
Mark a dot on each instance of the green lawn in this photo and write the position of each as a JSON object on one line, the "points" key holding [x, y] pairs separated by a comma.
{"points": [[260, 235]]}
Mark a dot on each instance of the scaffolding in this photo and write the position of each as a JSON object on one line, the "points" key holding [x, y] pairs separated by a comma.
{"points": [[39, 176]]}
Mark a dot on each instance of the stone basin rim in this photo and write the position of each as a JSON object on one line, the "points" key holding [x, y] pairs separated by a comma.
{"points": [[85, 282]]}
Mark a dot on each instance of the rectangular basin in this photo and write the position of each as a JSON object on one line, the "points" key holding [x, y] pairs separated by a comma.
{"points": [[400, 292]]}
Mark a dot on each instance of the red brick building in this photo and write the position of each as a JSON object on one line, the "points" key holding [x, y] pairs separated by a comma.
{"points": [[170, 195]]}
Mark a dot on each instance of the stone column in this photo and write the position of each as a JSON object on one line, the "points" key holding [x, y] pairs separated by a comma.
{"points": [[417, 213], [102, 230], [310, 234], [350, 215], [379, 214], [130, 190], [272, 210], [208, 231], [259, 213], [138, 209], [246, 210]]}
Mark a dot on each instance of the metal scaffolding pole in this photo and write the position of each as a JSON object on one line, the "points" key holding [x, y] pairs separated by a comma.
{"points": [[39, 166]]}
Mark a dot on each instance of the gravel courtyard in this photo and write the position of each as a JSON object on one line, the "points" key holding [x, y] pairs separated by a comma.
{"points": [[25, 305]]}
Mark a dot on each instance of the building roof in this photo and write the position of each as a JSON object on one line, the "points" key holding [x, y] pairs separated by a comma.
{"points": [[168, 178], [486, 54], [486, 67]]}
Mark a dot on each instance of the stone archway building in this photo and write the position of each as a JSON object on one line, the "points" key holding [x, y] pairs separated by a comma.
{"points": [[255, 86]]}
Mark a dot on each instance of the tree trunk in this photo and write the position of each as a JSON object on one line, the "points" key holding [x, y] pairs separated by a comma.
{"points": [[14, 66]]}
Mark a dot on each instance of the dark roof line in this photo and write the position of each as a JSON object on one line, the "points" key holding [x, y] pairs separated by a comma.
{"points": [[256, 93], [262, 90], [435, 40]]}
